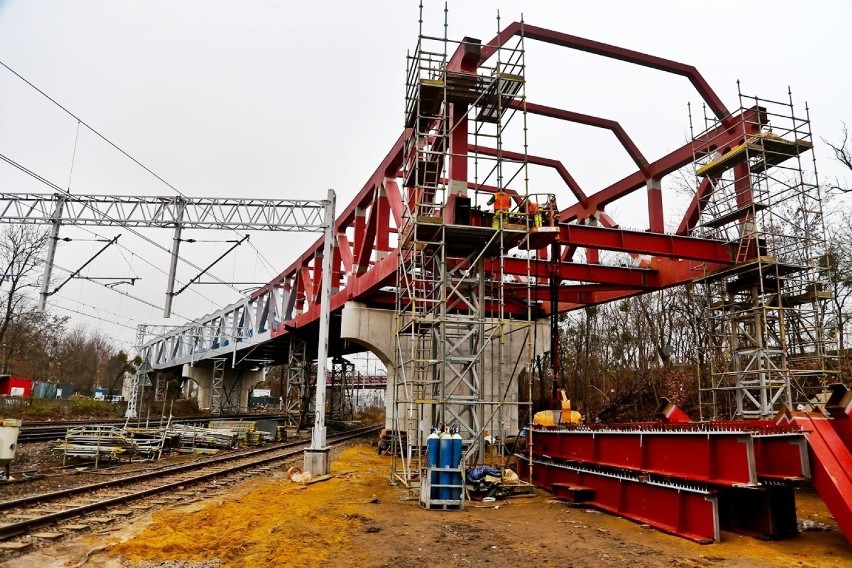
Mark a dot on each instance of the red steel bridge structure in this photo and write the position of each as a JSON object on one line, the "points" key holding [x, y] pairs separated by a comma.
{"points": [[635, 470], [366, 259]]}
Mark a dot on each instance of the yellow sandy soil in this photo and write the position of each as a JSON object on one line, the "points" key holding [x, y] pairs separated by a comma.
{"points": [[273, 524], [337, 523]]}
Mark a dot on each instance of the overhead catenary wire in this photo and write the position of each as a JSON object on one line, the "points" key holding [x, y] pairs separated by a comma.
{"points": [[116, 147], [95, 316], [127, 294], [152, 265], [104, 215]]}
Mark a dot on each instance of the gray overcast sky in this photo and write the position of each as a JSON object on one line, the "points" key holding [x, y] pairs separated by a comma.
{"points": [[285, 99]]}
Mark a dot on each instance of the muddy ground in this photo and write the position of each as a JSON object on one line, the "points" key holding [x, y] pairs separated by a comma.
{"points": [[358, 519]]}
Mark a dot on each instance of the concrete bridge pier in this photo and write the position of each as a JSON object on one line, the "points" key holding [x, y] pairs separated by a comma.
{"points": [[237, 382], [503, 361]]}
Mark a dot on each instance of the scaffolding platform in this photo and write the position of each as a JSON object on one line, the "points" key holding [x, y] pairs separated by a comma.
{"points": [[540, 237], [769, 308], [460, 240], [735, 215], [452, 312], [770, 150], [754, 264]]}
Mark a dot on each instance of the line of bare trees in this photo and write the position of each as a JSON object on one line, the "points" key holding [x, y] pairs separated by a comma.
{"points": [[41, 345]]}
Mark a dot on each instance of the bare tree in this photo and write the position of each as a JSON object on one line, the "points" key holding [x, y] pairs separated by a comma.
{"points": [[20, 254], [843, 154], [838, 260]]}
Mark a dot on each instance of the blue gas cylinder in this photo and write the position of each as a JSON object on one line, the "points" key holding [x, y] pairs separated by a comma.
{"points": [[445, 460], [432, 452], [456, 456]]}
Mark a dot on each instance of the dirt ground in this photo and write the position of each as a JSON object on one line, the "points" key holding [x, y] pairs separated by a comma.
{"points": [[358, 519]]}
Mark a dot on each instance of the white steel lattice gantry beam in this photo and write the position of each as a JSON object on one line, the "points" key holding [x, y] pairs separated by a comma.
{"points": [[177, 212], [246, 214]]}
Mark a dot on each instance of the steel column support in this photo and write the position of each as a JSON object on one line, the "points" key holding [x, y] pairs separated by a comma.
{"points": [[55, 222], [316, 456], [656, 223], [170, 285], [217, 394]]}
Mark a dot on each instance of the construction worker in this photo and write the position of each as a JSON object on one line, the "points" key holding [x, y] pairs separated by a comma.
{"points": [[501, 207], [533, 211]]}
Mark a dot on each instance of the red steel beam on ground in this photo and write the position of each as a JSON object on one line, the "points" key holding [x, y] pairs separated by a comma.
{"points": [[831, 467], [675, 246], [687, 511], [781, 457], [715, 457]]}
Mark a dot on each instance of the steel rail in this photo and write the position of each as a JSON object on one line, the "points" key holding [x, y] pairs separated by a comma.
{"points": [[22, 527]]}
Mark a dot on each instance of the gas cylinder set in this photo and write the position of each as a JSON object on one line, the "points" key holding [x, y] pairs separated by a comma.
{"points": [[444, 451]]}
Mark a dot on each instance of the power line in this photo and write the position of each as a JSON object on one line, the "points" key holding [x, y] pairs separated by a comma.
{"points": [[111, 143], [102, 214], [97, 317], [103, 310], [152, 265], [127, 294]]}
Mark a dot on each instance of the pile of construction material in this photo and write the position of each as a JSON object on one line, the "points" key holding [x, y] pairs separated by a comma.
{"points": [[195, 439], [111, 443], [248, 434], [151, 443], [97, 443]]}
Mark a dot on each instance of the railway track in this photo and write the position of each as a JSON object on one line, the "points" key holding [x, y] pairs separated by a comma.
{"points": [[104, 501], [43, 431]]}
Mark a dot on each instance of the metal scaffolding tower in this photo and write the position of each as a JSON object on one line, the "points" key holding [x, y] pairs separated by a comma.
{"points": [[340, 405], [451, 317], [218, 397], [297, 364], [766, 343]]}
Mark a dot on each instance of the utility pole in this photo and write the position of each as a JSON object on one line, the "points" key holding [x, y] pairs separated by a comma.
{"points": [[316, 456]]}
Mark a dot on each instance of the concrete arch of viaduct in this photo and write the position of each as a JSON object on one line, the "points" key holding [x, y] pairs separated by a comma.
{"points": [[374, 329], [203, 377]]}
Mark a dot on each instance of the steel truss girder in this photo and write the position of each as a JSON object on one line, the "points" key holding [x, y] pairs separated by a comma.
{"points": [[242, 214], [240, 325]]}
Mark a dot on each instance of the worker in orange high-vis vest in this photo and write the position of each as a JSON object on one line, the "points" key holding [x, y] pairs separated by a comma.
{"points": [[501, 208], [533, 211]]}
